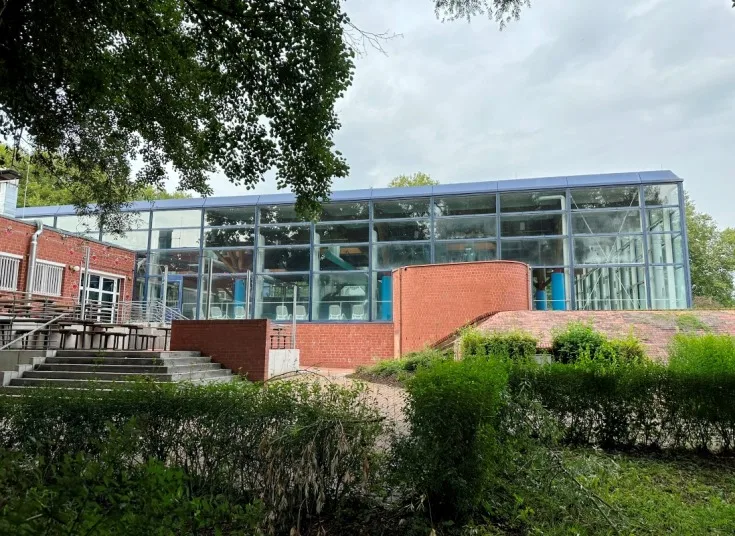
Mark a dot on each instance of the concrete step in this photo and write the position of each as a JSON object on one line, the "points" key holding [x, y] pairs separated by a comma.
{"points": [[126, 353], [76, 383], [131, 369], [134, 361], [120, 376]]}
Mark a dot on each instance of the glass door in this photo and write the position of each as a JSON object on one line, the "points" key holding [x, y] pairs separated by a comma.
{"points": [[103, 294], [174, 290]]}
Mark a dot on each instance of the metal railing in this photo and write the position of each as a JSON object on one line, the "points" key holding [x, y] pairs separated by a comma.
{"points": [[149, 312], [38, 329]]}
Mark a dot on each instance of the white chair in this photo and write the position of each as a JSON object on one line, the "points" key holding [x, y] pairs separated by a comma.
{"points": [[215, 313], [239, 312], [358, 312], [335, 312], [282, 313], [300, 312]]}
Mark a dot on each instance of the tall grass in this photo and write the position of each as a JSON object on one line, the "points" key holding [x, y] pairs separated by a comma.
{"points": [[704, 354]]}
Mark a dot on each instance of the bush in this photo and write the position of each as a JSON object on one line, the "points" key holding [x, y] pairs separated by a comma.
{"points": [[704, 354], [513, 345], [403, 367], [575, 340]]}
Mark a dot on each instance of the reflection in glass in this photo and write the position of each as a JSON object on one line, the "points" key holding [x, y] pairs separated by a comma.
{"points": [[174, 238], [533, 201], [340, 297], [401, 208], [457, 205], [274, 297], [277, 235], [610, 288], [229, 237], [662, 220], [345, 211], [551, 289], [402, 230], [228, 261], [132, 240], [533, 225], [540, 252], [177, 218], [226, 299], [284, 259], [329, 233], [214, 217], [606, 197], [608, 250], [279, 214], [388, 256], [662, 194], [607, 221], [177, 261], [343, 258], [668, 287], [665, 249], [465, 251], [472, 227], [77, 224], [382, 306]]}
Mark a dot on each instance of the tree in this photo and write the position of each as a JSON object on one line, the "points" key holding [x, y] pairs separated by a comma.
{"points": [[417, 179], [711, 257]]}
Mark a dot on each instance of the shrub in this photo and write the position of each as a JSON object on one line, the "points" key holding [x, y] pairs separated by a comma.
{"points": [[705, 354], [408, 364], [515, 345], [574, 340]]}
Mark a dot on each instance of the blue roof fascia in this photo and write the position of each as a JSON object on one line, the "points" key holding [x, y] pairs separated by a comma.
{"points": [[398, 193], [663, 175], [540, 183], [231, 201], [608, 179], [466, 188]]}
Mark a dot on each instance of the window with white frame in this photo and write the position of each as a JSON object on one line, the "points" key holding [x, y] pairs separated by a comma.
{"points": [[47, 278], [9, 265]]}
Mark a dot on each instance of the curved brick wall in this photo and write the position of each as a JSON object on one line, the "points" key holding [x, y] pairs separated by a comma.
{"points": [[431, 301]]}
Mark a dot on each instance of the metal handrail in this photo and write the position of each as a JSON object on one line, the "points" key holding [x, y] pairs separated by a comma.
{"points": [[34, 330]]}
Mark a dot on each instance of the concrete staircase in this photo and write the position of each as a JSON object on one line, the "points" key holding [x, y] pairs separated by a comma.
{"points": [[116, 368]]}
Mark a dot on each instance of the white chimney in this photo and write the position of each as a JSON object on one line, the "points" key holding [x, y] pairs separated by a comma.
{"points": [[9, 180]]}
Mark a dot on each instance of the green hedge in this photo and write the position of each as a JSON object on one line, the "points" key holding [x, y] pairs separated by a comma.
{"points": [[513, 345]]}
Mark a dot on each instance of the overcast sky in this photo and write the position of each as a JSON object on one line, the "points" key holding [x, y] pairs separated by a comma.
{"points": [[573, 87]]}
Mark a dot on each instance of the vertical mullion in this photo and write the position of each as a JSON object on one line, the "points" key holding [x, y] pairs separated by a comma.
{"points": [[498, 252], [646, 262], [685, 244], [570, 242], [371, 298], [200, 272]]}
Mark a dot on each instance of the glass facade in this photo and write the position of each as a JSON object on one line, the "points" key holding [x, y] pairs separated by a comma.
{"points": [[589, 248]]}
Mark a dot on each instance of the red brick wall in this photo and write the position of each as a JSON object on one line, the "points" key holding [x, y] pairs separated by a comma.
{"points": [[15, 238], [239, 345], [431, 301], [343, 345]]}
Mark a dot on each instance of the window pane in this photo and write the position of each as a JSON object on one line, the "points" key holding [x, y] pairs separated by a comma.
{"points": [[610, 288], [229, 237], [177, 218], [279, 214], [175, 238], [274, 297], [343, 258], [401, 208], [533, 225], [382, 304], [542, 252], [46, 220], [608, 250], [662, 194], [664, 219], [668, 287], [77, 224], [478, 227], [228, 261], [327, 233], [402, 230], [665, 249], [226, 298], [345, 211], [340, 297], [617, 197], [551, 289], [136, 221], [283, 259], [389, 256], [284, 235], [178, 262], [214, 217], [464, 204], [464, 251], [607, 221], [132, 239], [533, 201]]}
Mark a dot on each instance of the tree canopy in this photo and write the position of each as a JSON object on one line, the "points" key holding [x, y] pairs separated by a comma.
{"points": [[416, 179]]}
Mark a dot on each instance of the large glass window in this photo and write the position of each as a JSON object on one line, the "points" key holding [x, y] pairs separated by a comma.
{"points": [[664, 219], [225, 298], [279, 214], [228, 261], [551, 289], [214, 217], [340, 297], [533, 225], [457, 205], [177, 218], [538, 252], [329, 233], [345, 211], [177, 262], [343, 257], [466, 227], [605, 197], [668, 287], [401, 208], [274, 297], [132, 239], [607, 222], [610, 288], [277, 235], [608, 250], [394, 231], [229, 237], [77, 224], [465, 251], [665, 249], [533, 201], [289, 259], [662, 194], [174, 238], [388, 256]]}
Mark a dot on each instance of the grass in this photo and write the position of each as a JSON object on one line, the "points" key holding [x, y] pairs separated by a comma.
{"points": [[689, 322], [396, 371]]}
